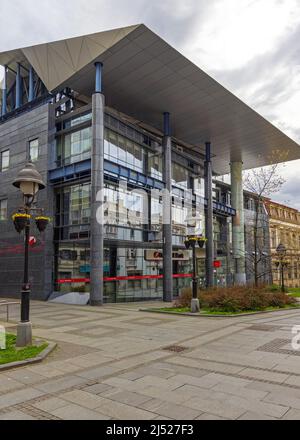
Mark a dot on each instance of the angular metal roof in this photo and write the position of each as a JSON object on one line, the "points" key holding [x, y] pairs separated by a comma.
{"points": [[144, 76]]}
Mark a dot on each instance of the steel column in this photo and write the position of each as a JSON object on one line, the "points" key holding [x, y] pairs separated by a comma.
{"points": [[238, 232], [98, 82], [167, 212], [4, 92], [18, 86], [209, 218], [31, 85], [97, 197]]}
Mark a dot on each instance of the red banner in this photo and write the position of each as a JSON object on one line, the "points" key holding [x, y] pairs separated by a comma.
{"points": [[124, 278]]}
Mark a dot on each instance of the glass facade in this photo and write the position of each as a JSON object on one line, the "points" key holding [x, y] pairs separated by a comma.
{"points": [[73, 212], [133, 218], [180, 176], [119, 149], [74, 147], [129, 274], [155, 167]]}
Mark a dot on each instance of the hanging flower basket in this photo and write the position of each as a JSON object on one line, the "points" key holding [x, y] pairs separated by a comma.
{"points": [[20, 221], [187, 244], [202, 241], [42, 223]]}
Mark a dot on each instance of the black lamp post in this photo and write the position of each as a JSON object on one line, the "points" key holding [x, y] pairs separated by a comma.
{"points": [[29, 181], [281, 252], [191, 243]]}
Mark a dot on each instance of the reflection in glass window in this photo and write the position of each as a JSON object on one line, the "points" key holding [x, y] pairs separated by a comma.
{"points": [[77, 120], [155, 167], [75, 147], [76, 205], [4, 160], [180, 176], [123, 207], [123, 151], [80, 211], [199, 188], [34, 150]]}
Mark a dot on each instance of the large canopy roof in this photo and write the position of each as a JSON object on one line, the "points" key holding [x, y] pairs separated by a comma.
{"points": [[144, 77]]}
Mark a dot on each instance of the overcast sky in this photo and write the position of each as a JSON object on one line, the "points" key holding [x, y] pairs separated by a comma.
{"points": [[252, 47]]}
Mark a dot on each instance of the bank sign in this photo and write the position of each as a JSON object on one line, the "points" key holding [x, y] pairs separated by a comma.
{"points": [[152, 255]]}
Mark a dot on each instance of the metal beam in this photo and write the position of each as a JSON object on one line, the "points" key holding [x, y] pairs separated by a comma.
{"points": [[18, 87], [4, 92], [31, 85]]}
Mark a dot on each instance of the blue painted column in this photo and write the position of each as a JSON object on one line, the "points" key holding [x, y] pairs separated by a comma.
{"points": [[209, 218], [167, 212], [18, 87], [98, 82], [97, 188], [4, 92], [31, 85]]}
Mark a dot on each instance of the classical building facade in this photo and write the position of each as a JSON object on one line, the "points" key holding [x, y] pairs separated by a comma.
{"points": [[115, 122], [285, 229]]}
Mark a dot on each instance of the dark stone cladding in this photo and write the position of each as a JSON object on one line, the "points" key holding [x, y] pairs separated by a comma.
{"points": [[15, 135]]}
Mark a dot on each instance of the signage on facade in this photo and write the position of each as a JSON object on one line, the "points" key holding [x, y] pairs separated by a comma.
{"points": [[154, 255]]}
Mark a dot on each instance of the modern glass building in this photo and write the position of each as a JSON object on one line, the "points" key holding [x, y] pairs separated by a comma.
{"points": [[115, 121]]}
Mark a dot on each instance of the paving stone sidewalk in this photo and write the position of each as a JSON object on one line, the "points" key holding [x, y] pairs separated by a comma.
{"points": [[116, 363]]}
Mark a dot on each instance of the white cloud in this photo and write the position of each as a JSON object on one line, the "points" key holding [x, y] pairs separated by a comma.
{"points": [[251, 46]]}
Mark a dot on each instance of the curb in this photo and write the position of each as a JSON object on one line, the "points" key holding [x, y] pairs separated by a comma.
{"points": [[197, 315], [38, 359]]}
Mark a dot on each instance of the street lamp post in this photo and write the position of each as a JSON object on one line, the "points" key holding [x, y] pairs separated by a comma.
{"points": [[281, 252], [29, 181], [191, 242]]}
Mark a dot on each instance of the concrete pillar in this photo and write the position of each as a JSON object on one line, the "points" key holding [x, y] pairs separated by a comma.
{"points": [[238, 225], [18, 87], [167, 212], [31, 85], [97, 187], [4, 92], [209, 219]]}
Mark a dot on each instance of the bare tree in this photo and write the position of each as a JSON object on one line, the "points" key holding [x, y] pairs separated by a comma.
{"points": [[263, 183]]}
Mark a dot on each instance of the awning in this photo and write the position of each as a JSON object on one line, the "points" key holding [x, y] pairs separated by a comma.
{"points": [[144, 77]]}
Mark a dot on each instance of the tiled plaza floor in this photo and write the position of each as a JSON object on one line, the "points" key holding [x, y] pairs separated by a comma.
{"points": [[112, 363]]}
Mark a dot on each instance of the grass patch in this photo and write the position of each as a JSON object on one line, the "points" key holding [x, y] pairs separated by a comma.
{"points": [[12, 354], [215, 312], [294, 292]]}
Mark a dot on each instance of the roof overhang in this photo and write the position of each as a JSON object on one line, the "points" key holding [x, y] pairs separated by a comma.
{"points": [[144, 77]]}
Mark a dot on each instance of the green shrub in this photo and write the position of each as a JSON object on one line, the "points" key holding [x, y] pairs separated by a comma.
{"points": [[236, 299]]}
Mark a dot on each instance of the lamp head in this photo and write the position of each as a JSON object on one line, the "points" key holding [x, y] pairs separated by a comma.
{"points": [[281, 250], [29, 181]]}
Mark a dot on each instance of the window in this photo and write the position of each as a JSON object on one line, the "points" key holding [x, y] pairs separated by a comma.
{"points": [[4, 160], [3, 210], [155, 166], [180, 176], [123, 151], [75, 147], [34, 150]]}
